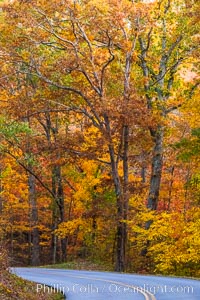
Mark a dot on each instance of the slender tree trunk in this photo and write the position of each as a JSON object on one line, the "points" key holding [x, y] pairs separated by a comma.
{"points": [[59, 214], [121, 197], [35, 240], [58, 210], [54, 242], [121, 228], [155, 179], [170, 188], [122, 192], [122, 204], [54, 238], [125, 189], [94, 228], [120, 235], [143, 174], [156, 170], [121, 189]]}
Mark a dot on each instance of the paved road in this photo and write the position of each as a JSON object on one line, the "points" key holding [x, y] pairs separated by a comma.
{"points": [[90, 285]]}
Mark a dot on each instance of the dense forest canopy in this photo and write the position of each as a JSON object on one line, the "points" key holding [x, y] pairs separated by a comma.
{"points": [[99, 133]]}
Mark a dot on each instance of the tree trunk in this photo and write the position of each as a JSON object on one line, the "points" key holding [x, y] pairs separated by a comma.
{"points": [[155, 179], [35, 240], [123, 197], [59, 211], [54, 238], [125, 192], [156, 174], [120, 232], [122, 201], [156, 170], [121, 228], [121, 243], [170, 188]]}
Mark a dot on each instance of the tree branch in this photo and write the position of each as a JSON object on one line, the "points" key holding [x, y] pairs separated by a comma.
{"points": [[31, 172]]}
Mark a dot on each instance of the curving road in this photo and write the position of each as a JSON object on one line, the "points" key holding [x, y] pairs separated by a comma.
{"points": [[90, 285]]}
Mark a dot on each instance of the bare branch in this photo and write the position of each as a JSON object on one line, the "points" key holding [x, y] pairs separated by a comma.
{"points": [[167, 111], [69, 184], [31, 172], [96, 89], [112, 57], [69, 89]]}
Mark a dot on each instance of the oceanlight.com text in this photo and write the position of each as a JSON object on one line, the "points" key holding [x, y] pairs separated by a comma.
{"points": [[113, 288]]}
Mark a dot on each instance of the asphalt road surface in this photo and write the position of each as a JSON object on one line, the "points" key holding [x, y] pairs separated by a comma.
{"points": [[90, 285]]}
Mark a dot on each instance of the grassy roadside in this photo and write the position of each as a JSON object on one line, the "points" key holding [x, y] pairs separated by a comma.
{"points": [[15, 288], [81, 264]]}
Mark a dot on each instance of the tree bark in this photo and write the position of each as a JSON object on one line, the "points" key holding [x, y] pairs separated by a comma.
{"points": [[35, 240], [57, 189], [170, 188], [125, 189], [120, 231], [122, 208], [156, 170], [121, 196], [58, 211]]}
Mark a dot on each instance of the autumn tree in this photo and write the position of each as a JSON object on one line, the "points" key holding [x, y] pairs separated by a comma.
{"points": [[115, 69], [167, 44], [96, 77]]}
